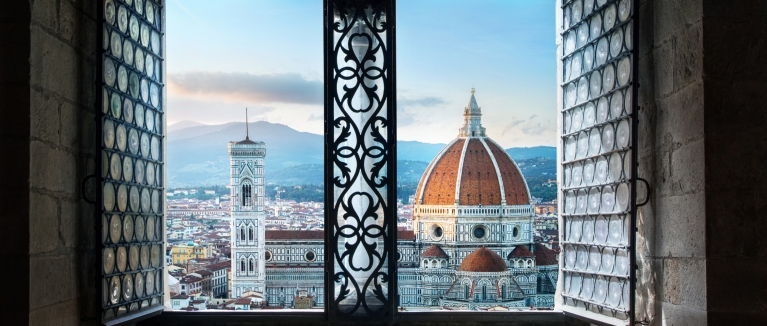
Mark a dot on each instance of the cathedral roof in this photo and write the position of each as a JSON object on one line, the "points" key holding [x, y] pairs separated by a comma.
{"points": [[483, 260], [472, 170], [477, 171], [294, 235], [520, 252], [434, 251], [405, 235], [544, 256]]}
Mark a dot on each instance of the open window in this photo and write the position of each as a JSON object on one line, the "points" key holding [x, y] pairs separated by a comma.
{"points": [[598, 161], [598, 167], [131, 162]]}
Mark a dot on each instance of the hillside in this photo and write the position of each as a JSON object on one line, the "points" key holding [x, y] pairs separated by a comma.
{"points": [[197, 154]]}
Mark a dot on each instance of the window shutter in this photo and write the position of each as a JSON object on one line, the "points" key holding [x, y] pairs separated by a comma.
{"points": [[360, 134], [598, 167], [132, 154]]}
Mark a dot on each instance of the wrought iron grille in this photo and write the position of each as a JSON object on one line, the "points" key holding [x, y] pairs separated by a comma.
{"points": [[599, 161], [360, 134], [131, 162]]}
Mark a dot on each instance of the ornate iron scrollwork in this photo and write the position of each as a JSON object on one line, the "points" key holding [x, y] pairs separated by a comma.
{"points": [[360, 157]]}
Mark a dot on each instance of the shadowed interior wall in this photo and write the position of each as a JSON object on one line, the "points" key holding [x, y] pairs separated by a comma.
{"points": [[14, 162], [62, 257], [703, 89]]}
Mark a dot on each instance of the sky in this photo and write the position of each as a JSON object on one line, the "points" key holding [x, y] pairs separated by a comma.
{"points": [[225, 55]]}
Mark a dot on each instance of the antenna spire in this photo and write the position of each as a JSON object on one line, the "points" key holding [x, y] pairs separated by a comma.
{"points": [[247, 136]]}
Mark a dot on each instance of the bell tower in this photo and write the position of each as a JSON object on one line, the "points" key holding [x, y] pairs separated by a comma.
{"points": [[246, 159]]}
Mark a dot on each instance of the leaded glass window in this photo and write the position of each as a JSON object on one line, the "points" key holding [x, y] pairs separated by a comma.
{"points": [[132, 159], [360, 160], [598, 159]]}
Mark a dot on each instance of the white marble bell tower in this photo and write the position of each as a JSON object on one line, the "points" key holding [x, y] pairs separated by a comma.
{"points": [[246, 159]]}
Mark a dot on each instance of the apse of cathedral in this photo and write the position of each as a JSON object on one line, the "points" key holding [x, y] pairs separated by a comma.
{"points": [[471, 247]]}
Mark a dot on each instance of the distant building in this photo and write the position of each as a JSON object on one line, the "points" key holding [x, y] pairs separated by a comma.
{"points": [[246, 159]]}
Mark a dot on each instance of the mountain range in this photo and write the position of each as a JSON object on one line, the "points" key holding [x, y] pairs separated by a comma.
{"points": [[197, 154]]}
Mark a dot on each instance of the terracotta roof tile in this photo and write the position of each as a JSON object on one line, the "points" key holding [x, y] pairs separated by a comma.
{"points": [[519, 252], [440, 187], [434, 251], [483, 260], [544, 256], [479, 182], [405, 235], [513, 182]]}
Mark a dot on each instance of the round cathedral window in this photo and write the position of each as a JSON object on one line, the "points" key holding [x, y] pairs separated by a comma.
{"points": [[267, 255], [515, 232], [479, 232], [310, 256], [436, 232], [399, 255]]}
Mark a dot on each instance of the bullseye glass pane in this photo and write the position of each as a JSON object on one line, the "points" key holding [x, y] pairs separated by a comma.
{"points": [[133, 35], [597, 85]]}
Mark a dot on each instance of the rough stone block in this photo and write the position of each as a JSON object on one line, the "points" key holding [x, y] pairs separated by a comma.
{"points": [[69, 227], [672, 16], [45, 14], [44, 117], [52, 280], [663, 71], [688, 168], [684, 282], [680, 115], [71, 115], [43, 223], [65, 313], [680, 226], [671, 314], [52, 169], [54, 65], [688, 56]]}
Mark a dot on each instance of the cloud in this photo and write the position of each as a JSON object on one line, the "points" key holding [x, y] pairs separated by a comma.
{"points": [[404, 115], [509, 127], [316, 117], [263, 88], [424, 101]]}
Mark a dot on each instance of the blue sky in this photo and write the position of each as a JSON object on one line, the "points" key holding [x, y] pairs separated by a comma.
{"points": [[267, 55]]}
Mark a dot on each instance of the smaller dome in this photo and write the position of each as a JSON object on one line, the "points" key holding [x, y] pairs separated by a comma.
{"points": [[483, 260], [520, 252], [434, 251]]}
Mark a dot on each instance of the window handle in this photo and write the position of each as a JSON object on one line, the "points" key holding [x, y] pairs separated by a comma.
{"points": [[82, 189]]}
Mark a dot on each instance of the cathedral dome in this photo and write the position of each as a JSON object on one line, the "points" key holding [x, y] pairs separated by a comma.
{"points": [[472, 170], [434, 251], [483, 260]]}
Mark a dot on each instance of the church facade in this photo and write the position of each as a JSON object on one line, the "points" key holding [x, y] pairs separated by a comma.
{"points": [[471, 247]]}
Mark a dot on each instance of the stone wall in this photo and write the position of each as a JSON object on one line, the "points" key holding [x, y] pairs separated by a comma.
{"points": [[671, 242], [62, 259], [703, 77]]}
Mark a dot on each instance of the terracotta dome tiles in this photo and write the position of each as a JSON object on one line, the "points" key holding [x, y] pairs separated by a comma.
{"points": [[479, 182], [440, 186], [483, 260], [434, 251], [513, 182]]}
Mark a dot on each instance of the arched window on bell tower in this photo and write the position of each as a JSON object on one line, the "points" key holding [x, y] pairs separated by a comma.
{"points": [[252, 265], [242, 233], [247, 195], [251, 234], [242, 266]]}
